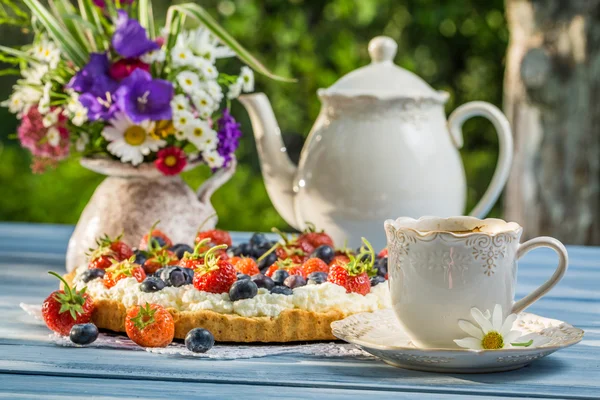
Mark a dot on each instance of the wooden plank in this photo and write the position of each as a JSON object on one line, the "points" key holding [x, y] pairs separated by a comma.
{"points": [[52, 387], [567, 374]]}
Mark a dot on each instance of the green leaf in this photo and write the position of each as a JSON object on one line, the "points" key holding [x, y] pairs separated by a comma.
{"points": [[73, 50], [62, 10], [146, 17], [18, 54], [200, 15], [10, 71], [89, 12]]}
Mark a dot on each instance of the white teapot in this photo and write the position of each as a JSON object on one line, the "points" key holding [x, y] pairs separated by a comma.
{"points": [[380, 147]]}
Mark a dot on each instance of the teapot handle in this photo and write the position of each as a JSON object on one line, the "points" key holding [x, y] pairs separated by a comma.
{"points": [[218, 179], [505, 141]]}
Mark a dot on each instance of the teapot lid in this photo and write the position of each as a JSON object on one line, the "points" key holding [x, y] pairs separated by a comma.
{"points": [[382, 78]]}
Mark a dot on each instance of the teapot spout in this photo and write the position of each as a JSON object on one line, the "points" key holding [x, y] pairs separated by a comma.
{"points": [[277, 168]]}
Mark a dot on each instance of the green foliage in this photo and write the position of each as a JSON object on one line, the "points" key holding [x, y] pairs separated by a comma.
{"points": [[458, 46]]}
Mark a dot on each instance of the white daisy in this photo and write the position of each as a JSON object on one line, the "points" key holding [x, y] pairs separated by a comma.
{"points": [[209, 71], [214, 90], [14, 103], [82, 141], [130, 141], [188, 81], [51, 118], [213, 159], [180, 103], [206, 45], [181, 56], [47, 51], [152, 56], [493, 333], [203, 102], [53, 136], [247, 79], [182, 119], [44, 104], [35, 74], [235, 89], [201, 135]]}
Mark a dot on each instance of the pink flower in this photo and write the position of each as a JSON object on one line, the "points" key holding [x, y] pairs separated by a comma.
{"points": [[124, 67], [170, 161], [33, 136]]}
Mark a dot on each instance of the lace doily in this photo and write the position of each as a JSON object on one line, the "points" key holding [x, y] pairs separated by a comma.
{"points": [[218, 352]]}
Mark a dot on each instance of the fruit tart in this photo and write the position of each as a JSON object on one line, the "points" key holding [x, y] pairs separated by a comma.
{"points": [[260, 291]]}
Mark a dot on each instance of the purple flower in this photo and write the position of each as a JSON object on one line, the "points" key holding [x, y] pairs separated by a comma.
{"points": [[142, 98], [130, 39], [94, 78], [229, 133], [99, 107]]}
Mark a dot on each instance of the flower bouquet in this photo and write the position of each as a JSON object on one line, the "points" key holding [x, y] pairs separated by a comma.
{"points": [[100, 79]]}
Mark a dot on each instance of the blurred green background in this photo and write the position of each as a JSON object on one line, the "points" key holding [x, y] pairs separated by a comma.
{"points": [[455, 45]]}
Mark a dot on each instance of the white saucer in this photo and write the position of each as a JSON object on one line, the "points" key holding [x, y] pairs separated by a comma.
{"points": [[380, 334]]}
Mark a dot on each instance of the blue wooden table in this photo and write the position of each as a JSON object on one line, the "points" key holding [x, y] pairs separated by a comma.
{"points": [[31, 366]]}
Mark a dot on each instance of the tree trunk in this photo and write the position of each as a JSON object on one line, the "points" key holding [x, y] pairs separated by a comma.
{"points": [[552, 99]]}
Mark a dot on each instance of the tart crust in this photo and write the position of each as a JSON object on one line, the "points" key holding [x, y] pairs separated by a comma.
{"points": [[290, 325]]}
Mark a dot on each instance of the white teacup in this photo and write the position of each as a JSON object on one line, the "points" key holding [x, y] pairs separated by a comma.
{"points": [[439, 268]]}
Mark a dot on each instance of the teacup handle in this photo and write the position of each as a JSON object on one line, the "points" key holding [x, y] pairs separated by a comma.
{"points": [[505, 142], [563, 262]]}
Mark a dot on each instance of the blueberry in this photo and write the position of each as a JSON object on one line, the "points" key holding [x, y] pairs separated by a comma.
{"points": [[152, 284], [140, 256], [189, 274], [266, 262], [92, 274], [382, 266], [180, 249], [158, 273], [156, 241], [294, 281], [281, 290], [243, 289], [325, 253], [242, 276], [263, 281], [279, 276], [83, 333], [176, 277], [243, 249], [316, 278], [376, 280], [199, 340], [259, 240]]}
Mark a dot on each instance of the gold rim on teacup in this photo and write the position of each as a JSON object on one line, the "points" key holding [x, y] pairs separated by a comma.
{"points": [[470, 226]]}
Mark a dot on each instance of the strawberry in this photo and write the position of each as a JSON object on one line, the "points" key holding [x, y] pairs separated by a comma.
{"points": [[293, 249], [383, 253], [121, 270], [65, 308], [245, 265], [289, 265], [195, 259], [158, 259], [314, 238], [107, 250], [339, 259], [154, 233], [215, 275], [314, 265], [150, 326], [216, 237], [355, 274]]}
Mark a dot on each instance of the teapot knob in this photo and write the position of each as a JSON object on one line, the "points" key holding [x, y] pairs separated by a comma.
{"points": [[382, 48]]}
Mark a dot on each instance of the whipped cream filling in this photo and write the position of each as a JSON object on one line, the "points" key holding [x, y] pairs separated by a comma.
{"points": [[316, 298]]}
